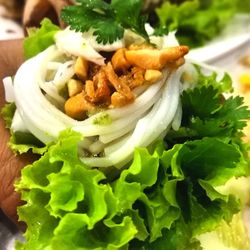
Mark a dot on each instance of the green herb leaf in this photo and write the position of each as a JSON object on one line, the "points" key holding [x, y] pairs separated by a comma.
{"points": [[196, 21], [206, 112], [40, 39], [107, 21], [7, 112], [20, 142]]}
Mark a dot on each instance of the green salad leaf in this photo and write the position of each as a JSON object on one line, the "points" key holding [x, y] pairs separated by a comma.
{"points": [[40, 38], [196, 21], [20, 142], [7, 112], [160, 197], [167, 197]]}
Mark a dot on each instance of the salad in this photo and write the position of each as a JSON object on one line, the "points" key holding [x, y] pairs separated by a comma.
{"points": [[138, 146], [197, 21]]}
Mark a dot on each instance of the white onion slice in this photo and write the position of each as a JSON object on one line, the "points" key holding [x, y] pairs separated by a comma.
{"points": [[18, 124], [137, 124], [73, 43], [8, 89]]}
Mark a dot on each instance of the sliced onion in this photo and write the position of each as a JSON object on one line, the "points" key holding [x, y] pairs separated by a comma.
{"points": [[8, 89], [137, 124]]}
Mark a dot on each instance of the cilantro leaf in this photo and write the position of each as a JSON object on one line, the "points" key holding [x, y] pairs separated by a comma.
{"points": [[210, 115], [207, 113], [223, 85], [129, 15], [108, 21], [201, 102], [239, 116]]}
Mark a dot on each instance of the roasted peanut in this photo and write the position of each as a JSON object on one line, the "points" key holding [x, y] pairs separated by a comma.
{"points": [[152, 75], [74, 87], [119, 60], [144, 58], [77, 106], [81, 68], [118, 100], [154, 58]]}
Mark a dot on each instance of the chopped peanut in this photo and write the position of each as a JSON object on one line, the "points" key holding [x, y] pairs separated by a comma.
{"points": [[119, 60], [81, 68], [74, 87], [145, 58], [152, 75], [77, 106], [112, 85], [118, 100], [176, 64], [135, 46], [154, 58], [172, 54]]}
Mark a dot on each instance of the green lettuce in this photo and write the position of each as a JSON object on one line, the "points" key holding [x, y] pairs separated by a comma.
{"points": [[196, 21], [20, 142], [159, 198], [166, 198], [7, 112], [40, 39]]}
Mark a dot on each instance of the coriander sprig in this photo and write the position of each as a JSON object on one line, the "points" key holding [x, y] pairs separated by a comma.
{"points": [[108, 21]]}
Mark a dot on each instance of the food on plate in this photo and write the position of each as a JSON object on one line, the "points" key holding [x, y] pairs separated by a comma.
{"points": [[137, 144]]}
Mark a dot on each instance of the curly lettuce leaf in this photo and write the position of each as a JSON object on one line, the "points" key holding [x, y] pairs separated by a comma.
{"points": [[196, 21], [74, 198], [150, 203], [20, 142], [165, 199], [40, 39], [7, 112]]}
